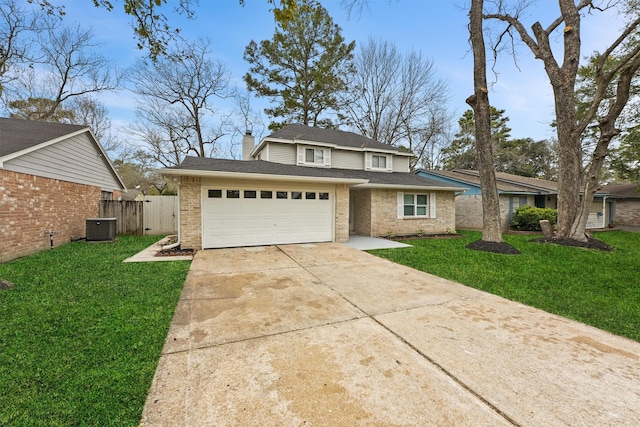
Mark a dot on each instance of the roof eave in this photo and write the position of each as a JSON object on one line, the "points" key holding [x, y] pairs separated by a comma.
{"points": [[261, 176]]}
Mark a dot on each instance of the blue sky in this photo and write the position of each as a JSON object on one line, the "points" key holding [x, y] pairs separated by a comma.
{"points": [[436, 28]]}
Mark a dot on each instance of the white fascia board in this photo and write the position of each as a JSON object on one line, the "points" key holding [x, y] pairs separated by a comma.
{"points": [[418, 187], [261, 176]]}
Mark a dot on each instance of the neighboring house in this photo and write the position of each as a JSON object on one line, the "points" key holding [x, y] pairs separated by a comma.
{"points": [[625, 203], [513, 191], [303, 184], [52, 178]]}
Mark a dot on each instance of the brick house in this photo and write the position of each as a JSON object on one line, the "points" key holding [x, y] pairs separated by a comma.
{"points": [[52, 178], [303, 184], [625, 203]]}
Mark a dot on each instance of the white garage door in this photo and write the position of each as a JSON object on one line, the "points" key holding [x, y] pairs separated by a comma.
{"points": [[251, 216]]}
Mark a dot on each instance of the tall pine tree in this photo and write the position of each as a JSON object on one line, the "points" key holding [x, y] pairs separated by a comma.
{"points": [[302, 69]]}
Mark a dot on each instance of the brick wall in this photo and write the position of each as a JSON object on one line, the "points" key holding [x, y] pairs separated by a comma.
{"points": [[469, 211], [384, 215], [342, 213], [190, 212], [627, 212], [31, 205]]}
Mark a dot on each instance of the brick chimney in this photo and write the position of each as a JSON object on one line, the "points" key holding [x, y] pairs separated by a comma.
{"points": [[248, 142]]}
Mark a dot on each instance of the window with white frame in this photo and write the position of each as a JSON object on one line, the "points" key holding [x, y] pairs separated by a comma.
{"points": [[416, 205], [378, 161], [313, 156]]}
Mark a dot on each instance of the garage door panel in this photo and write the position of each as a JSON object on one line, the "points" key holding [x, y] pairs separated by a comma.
{"points": [[228, 222]]}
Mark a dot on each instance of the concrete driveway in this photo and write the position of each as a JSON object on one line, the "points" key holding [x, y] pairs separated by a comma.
{"points": [[326, 335]]}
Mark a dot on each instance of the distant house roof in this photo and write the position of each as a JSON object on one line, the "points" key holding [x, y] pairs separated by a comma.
{"points": [[264, 169], [623, 191], [507, 183], [18, 134], [306, 134]]}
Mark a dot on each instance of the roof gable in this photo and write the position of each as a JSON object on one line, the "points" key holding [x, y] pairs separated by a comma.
{"points": [[56, 150]]}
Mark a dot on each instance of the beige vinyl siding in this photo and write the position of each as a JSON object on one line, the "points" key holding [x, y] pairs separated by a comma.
{"points": [[400, 164], [280, 153], [343, 159], [76, 159]]}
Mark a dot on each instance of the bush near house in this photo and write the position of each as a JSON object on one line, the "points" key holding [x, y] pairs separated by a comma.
{"points": [[528, 217]]}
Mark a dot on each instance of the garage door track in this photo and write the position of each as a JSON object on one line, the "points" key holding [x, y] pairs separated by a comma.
{"points": [[326, 335]]}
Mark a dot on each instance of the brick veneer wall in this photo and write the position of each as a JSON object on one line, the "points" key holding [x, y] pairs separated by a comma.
{"points": [[190, 212], [469, 211], [342, 213], [31, 205], [384, 215], [361, 210], [627, 212]]}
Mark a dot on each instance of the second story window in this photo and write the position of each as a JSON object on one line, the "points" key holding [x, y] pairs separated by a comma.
{"points": [[314, 155], [378, 162]]}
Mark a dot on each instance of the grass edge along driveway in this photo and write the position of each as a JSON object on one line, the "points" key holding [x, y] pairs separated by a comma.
{"points": [[601, 289], [81, 333]]}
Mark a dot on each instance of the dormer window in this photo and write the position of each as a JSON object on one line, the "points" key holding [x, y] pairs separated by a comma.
{"points": [[314, 156], [378, 162]]}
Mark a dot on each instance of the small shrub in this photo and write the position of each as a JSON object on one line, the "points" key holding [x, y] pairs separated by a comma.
{"points": [[528, 218]]}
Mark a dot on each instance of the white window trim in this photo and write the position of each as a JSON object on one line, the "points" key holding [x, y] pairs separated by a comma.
{"points": [[326, 156], [368, 161], [431, 206]]}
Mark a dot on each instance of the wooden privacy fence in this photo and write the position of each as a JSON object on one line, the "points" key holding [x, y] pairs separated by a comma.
{"points": [[154, 215], [129, 215]]}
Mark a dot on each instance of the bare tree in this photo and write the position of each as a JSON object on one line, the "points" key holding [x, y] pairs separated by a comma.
{"points": [[572, 177], [177, 102], [241, 120], [479, 101], [66, 68], [397, 99], [16, 26]]}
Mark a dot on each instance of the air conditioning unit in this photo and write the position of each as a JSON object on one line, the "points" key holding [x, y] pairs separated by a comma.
{"points": [[101, 229]]}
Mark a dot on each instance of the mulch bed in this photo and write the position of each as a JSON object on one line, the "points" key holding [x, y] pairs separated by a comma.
{"points": [[424, 236], [175, 252], [591, 243], [495, 247]]}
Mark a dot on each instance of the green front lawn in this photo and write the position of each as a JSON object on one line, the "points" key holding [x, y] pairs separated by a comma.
{"points": [[601, 289], [81, 333]]}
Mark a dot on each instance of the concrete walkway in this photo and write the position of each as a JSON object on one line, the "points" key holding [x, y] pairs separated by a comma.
{"points": [[327, 335]]}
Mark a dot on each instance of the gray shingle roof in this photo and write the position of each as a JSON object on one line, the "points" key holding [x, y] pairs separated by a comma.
{"points": [[331, 136], [18, 134], [506, 182], [271, 168], [623, 191]]}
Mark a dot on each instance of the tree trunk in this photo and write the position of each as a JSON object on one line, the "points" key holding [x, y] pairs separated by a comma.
{"points": [[479, 101], [608, 131]]}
